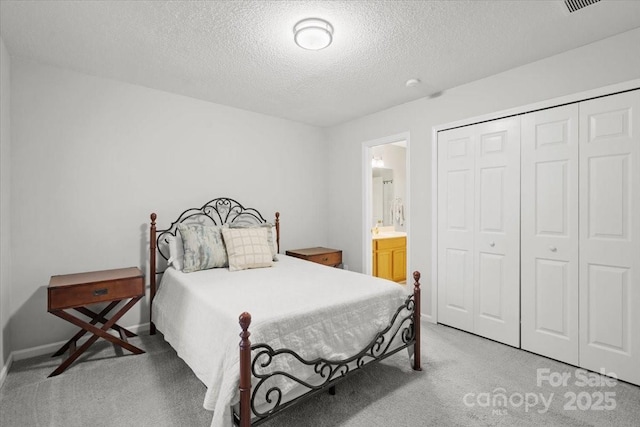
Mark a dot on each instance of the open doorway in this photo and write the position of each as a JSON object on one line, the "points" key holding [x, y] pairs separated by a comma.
{"points": [[386, 207]]}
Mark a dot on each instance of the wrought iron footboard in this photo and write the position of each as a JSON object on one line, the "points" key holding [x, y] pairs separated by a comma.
{"points": [[402, 332]]}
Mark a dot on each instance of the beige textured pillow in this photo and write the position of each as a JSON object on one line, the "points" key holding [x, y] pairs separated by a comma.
{"points": [[247, 248], [271, 235]]}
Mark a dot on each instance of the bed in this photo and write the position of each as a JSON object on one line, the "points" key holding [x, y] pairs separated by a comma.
{"points": [[303, 327]]}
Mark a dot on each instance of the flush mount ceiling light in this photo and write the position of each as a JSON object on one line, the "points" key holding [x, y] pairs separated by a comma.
{"points": [[313, 33]]}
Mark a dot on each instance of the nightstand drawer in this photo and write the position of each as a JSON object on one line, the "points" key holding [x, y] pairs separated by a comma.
{"points": [[319, 255], [333, 258], [81, 294]]}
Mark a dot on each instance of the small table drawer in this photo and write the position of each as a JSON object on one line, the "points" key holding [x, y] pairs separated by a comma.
{"points": [[63, 292], [333, 258], [319, 255]]}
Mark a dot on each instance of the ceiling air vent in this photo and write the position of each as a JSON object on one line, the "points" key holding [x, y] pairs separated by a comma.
{"points": [[574, 5]]}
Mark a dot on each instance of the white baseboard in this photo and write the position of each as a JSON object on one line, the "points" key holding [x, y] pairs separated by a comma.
{"points": [[5, 369], [427, 318], [51, 348]]}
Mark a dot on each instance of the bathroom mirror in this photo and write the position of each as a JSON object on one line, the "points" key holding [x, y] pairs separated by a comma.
{"points": [[382, 197]]}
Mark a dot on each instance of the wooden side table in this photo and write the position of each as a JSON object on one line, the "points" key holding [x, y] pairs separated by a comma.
{"points": [[76, 291], [320, 255]]}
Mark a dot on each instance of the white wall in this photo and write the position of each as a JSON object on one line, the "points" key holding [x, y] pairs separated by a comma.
{"points": [[92, 158], [5, 191], [609, 61]]}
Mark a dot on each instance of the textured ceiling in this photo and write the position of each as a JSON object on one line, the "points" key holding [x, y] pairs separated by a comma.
{"points": [[242, 54]]}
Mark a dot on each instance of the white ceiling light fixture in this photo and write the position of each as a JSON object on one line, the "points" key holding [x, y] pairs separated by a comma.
{"points": [[313, 33]]}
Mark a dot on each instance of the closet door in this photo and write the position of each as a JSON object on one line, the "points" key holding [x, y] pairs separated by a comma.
{"points": [[497, 231], [456, 161], [549, 233], [610, 235], [479, 229]]}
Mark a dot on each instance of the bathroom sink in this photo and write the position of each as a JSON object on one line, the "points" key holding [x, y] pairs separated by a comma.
{"points": [[389, 234]]}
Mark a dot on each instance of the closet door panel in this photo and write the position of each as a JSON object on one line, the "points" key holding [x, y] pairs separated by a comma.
{"points": [[610, 235], [549, 233], [456, 150], [497, 237], [608, 194]]}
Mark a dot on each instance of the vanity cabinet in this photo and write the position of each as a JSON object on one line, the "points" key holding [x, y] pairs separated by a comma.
{"points": [[390, 258]]}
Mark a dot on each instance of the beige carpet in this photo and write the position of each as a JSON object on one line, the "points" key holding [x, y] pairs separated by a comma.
{"points": [[462, 374]]}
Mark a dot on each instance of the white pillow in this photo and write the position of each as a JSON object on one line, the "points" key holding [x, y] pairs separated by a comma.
{"points": [[176, 251], [247, 248]]}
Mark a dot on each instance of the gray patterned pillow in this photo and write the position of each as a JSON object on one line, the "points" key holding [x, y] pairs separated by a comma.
{"points": [[203, 247]]}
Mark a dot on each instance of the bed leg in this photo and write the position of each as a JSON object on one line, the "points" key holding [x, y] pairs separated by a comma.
{"points": [[416, 321], [152, 268], [332, 390], [278, 231], [245, 371]]}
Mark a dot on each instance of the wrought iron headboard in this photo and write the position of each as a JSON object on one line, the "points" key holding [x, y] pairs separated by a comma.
{"points": [[219, 211], [222, 210]]}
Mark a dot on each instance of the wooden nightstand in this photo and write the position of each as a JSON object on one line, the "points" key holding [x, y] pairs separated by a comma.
{"points": [[326, 256], [76, 291]]}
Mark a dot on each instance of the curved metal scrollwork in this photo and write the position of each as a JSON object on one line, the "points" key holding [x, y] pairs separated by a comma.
{"points": [[325, 372], [219, 211]]}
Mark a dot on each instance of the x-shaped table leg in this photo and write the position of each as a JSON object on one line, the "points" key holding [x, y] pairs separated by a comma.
{"points": [[97, 332], [94, 320], [100, 317]]}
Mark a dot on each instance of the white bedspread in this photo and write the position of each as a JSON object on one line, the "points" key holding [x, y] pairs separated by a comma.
{"points": [[312, 309]]}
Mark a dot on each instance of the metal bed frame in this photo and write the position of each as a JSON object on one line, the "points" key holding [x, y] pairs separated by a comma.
{"points": [[403, 330]]}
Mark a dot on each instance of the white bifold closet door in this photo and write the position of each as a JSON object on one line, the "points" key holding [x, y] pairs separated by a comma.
{"points": [[549, 233], [610, 235], [479, 229]]}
